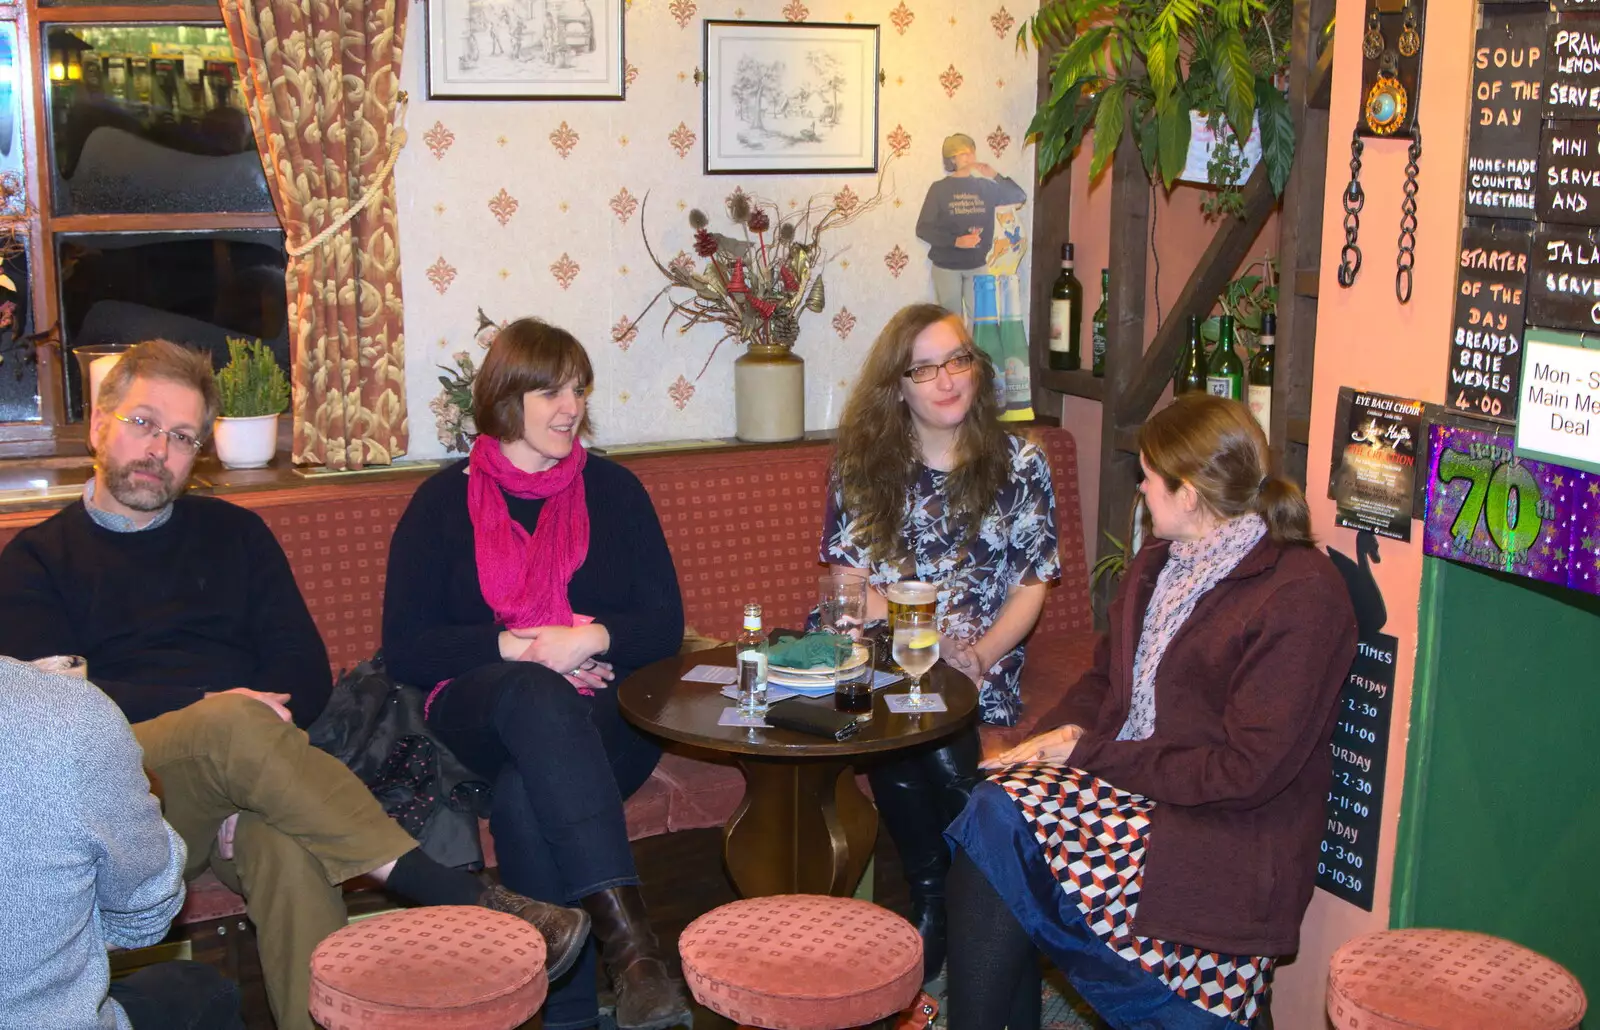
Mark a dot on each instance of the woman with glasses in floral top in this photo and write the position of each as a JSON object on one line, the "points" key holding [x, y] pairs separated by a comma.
{"points": [[929, 486]]}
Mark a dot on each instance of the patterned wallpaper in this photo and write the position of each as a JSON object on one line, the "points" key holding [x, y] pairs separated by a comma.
{"points": [[534, 208]]}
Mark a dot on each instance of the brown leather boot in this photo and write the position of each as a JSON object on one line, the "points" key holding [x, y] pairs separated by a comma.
{"points": [[564, 929], [648, 997]]}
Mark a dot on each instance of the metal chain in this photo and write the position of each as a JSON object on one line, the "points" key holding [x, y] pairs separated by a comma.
{"points": [[1355, 198], [1408, 220]]}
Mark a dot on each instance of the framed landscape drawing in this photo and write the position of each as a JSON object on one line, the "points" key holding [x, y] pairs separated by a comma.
{"points": [[525, 49], [791, 97]]}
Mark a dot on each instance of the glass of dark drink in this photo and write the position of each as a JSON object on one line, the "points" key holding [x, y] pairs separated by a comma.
{"points": [[854, 695]]}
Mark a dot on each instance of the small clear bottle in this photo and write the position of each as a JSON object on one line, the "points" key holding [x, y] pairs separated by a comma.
{"points": [[750, 652]]}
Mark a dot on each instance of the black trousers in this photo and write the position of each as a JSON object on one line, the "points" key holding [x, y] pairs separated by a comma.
{"points": [[178, 996]]}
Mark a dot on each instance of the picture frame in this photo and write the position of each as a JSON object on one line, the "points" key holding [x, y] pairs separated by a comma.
{"points": [[790, 97], [526, 49]]}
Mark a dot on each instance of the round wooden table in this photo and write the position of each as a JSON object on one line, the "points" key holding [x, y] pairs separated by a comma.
{"points": [[804, 827]]}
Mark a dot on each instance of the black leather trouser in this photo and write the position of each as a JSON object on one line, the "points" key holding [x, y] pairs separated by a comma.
{"points": [[918, 793]]}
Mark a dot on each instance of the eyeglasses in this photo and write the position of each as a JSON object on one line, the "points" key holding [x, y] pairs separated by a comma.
{"points": [[143, 429], [961, 364]]}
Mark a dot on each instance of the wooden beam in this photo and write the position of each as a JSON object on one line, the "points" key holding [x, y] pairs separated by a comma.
{"points": [[1130, 229], [1052, 225], [1300, 242], [1228, 248]]}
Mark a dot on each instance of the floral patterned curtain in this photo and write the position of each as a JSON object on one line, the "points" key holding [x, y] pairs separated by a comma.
{"points": [[321, 80]]}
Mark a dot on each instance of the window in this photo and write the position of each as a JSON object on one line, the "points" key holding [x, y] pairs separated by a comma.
{"points": [[141, 206]]}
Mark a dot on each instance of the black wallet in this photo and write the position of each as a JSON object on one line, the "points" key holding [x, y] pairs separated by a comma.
{"points": [[813, 719]]}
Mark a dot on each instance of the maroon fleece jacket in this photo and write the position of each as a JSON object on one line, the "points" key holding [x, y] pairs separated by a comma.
{"points": [[1238, 765]]}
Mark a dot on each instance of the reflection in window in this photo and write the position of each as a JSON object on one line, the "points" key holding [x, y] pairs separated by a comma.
{"points": [[194, 288], [19, 372], [149, 119]]}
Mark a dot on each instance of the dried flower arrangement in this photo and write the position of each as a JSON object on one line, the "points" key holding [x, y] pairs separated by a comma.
{"points": [[757, 287]]}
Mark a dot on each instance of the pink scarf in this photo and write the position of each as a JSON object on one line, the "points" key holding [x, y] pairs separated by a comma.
{"points": [[524, 576]]}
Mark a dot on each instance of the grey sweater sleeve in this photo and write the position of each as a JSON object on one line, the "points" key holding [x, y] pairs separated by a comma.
{"points": [[138, 858]]}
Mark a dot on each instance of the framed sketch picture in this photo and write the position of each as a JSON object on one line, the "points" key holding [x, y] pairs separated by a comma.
{"points": [[525, 49], [791, 97]]}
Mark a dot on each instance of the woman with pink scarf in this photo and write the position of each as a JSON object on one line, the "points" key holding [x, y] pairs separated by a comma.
{"points": [[523, 583]]}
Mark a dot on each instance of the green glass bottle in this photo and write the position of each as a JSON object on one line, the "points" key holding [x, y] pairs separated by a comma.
{"points": [[1066, 317], [1098, 332], [1191, 374], [1260, 374], [1225, 374]]}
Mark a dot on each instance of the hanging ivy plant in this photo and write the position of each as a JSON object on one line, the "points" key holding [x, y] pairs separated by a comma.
{"points": [[1222, 58]]}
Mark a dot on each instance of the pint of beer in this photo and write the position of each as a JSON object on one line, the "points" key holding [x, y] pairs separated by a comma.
{"points": [[910, 595]]}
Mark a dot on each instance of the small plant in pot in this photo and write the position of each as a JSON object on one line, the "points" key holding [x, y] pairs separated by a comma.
{"points": [[254, 392]]}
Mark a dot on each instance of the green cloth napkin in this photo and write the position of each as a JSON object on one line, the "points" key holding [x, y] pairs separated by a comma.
{"points": [[812, 651]]}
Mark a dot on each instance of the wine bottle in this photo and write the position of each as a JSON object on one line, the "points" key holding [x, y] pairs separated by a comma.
{"points": [[1097, 336], [1225, 375], [1191, 374], [1260, 389], [1066, 317]]}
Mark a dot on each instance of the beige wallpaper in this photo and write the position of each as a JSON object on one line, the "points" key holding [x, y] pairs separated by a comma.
{"points": [[535, 208]]}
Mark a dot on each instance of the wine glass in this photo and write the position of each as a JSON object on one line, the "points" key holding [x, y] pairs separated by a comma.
{"points": [[916, 648]]}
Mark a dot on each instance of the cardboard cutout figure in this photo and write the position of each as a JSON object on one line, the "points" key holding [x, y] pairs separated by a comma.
{"points": [[971, 224]]}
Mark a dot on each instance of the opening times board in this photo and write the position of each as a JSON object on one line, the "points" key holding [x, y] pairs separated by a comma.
{"points": [[1347, 858]]}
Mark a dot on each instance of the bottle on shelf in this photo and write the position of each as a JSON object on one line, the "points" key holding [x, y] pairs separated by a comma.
{"points": [[750, 652], [1066, 317], [1225, 374], [1097, 335], [1191, 374], [1260, 375]]}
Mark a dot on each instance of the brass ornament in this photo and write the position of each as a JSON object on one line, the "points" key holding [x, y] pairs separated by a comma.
{"points": [[1372, 43], [1385, 109], [1410, 42]]}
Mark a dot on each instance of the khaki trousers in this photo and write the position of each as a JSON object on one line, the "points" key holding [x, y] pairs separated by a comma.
{"points": [[306, 824]]}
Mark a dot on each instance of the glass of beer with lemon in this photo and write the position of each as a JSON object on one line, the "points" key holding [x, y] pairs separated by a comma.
{"points": [[916, 649]]}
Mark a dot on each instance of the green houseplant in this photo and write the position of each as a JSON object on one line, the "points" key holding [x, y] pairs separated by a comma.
{"points": [[254, 391], [1218, 58]]}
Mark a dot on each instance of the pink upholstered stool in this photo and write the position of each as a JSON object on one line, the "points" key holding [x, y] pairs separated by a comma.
{"points": [[1448, 980], [450, 967], [802, 962]]}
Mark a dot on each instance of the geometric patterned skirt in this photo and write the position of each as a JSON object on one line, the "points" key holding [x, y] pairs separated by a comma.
{"points": [[1066, 851]]}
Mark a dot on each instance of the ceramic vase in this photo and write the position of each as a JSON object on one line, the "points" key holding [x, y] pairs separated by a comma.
{"points": [[769, 394]]}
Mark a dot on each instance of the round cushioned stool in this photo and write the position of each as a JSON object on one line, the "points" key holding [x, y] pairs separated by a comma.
{"points": [[1448, 980], [802, 962], [449, 967]]}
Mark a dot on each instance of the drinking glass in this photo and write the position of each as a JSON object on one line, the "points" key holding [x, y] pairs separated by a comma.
{"points": [[916, 648], [842, 610]]}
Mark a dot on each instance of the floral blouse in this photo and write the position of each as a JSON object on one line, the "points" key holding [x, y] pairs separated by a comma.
{"points": [[1016, 544]]}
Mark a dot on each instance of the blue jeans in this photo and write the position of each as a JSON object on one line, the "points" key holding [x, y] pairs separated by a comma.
{"points": [[178, 996], [561, 764]]}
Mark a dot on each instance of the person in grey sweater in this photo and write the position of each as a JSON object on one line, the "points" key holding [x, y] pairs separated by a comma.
{"points": [[957, 221], [89, 864]]}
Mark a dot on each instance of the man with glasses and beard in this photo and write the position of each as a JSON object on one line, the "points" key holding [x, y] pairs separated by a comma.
{"points": [[190, 620]]}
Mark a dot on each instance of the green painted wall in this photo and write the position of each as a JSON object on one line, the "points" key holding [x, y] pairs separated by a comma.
{"points": [[1500, 825]]}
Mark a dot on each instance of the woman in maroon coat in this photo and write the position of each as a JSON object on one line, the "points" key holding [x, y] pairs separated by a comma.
{"points": [[1160, 844]]}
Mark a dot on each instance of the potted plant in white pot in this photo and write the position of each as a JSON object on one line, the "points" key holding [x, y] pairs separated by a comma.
{"points": [[254, 392]]}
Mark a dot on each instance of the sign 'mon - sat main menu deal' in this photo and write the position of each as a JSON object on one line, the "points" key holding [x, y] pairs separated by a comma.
{"points": [[1559, 418]]}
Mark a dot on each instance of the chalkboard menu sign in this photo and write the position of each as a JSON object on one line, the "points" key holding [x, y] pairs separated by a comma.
{"points": [[1347, 863], [1507, 98], [1572, 68], [1569, 173], [1486, 333], [1566, 5], [1564, 279]]}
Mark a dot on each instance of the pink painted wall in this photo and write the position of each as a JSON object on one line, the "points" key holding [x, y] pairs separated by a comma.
{"points": [[1368, 340], [1182, 234], [1365, 339]]}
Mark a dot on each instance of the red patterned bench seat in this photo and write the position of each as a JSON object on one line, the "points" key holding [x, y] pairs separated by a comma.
{"points": [[743, 525]]}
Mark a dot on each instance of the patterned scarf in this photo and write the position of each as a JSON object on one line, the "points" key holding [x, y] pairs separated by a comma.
{"points": [[1192, 569], [524, 576]]}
